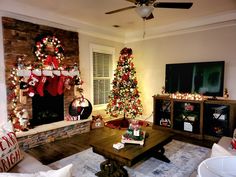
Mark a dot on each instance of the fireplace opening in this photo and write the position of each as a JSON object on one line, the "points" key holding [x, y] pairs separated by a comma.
{"points": [[47, 109]]}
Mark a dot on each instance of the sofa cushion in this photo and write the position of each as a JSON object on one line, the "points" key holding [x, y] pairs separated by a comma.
{"points": [[223, 148], [63, 172], [10, 153], [29, 165], [218, 150]]}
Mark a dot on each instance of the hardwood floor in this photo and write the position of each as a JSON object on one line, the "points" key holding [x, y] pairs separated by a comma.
{"points": [[60, 149]]}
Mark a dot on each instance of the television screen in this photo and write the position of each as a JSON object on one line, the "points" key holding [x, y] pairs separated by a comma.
{"points": [[206, 78]]}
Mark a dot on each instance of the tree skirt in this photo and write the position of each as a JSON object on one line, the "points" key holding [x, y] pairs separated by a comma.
{"points": [[123, 123], [184, 158]]}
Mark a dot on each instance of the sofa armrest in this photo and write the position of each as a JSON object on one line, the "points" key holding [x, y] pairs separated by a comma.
{"points": [[223, 148], [29, 164], [226, 143]]}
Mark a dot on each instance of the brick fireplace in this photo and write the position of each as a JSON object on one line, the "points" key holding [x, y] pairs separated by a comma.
{"points": [[19, 40], [44, 112]]}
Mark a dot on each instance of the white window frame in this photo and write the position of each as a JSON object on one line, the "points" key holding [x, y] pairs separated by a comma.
{"points": [[105, 50]]}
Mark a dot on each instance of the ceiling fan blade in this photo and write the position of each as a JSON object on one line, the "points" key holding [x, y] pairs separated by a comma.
{"points": [[176, 5], [151, 16], [133, 1], [122, 9], [140, 2]]}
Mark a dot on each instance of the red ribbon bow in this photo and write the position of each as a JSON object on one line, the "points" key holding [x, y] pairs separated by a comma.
{"points": [[52, 61]]}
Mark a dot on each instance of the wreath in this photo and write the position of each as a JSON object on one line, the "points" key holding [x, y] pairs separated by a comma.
{"points": [[48, 44]]}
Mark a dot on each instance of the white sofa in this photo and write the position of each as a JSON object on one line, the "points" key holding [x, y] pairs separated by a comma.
{"points": [[31, 167], [221, 152], [222, 148], [29, 164], [16, 163]]}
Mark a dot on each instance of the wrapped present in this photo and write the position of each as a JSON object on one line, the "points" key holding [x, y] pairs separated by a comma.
{"points": [[134, 134], [97, 122]]}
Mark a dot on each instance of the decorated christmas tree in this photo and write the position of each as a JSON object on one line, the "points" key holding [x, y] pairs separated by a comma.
{"points": [[124, 96]]}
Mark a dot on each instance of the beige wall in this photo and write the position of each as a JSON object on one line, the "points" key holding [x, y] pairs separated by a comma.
{"points": [[210, 45], [85, 65]]}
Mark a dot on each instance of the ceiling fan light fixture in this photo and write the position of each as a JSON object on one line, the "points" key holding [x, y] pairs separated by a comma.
{"points": [[144, 11]]}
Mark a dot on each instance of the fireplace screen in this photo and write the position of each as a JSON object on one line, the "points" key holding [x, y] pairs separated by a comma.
{"points": [[47, 109]]}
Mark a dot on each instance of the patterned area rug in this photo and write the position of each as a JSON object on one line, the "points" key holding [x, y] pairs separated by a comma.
{"points": [[184, 158]]}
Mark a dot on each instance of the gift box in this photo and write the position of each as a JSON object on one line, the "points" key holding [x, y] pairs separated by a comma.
{"points": [[97, 122]]}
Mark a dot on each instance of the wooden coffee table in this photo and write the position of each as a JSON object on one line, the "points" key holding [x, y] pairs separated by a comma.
{"points": [[131, 153]]}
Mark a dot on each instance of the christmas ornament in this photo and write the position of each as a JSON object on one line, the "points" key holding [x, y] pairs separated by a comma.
{"points": [[80, 107]]}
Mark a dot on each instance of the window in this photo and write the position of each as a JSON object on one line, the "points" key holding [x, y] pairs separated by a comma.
{"points": [[102, 67]]}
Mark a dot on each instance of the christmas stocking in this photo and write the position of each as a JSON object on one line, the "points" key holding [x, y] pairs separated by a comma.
{"points": [[40, 87], [33, 83], [52, 85], [61, 82]]}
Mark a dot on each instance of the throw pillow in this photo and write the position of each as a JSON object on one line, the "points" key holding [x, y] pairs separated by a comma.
{"points": [[233, 141], [63, 172], [10, 153], [218, 150]]}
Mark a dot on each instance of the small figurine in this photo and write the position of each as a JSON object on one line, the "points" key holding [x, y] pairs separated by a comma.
{"points": [[163, 90], [226, 93], [23, 118], [165, 122], [21, 62]]}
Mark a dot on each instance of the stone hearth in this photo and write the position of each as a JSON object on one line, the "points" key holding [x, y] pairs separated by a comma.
{"points": [[50, 132]]}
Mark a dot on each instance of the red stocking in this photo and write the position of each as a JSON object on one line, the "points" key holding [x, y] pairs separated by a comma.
{"points": [[61, 82], [40, 86], [52, 85], [33, 83]]}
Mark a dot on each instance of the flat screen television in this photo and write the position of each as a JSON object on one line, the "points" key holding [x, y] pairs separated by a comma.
{"points": [[206, 78]]}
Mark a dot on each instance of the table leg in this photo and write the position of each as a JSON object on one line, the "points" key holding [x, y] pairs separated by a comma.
{"points": [[111, 168], [160, 155]]}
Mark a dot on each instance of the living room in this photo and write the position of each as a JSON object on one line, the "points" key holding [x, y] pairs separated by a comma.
{"points": [[201, 39]]}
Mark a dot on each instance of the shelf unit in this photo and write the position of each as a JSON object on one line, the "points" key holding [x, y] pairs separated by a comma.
{"points": [[163, 111], [201, 119]]}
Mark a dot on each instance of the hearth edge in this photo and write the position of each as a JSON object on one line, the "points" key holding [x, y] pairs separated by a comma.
{"points": [[50, 132]]}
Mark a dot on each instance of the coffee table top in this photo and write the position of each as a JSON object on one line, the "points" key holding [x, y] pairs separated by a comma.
{"points": [[131, 153]]}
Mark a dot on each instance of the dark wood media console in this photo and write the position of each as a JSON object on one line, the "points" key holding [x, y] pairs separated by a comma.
{"points": [[201, 119]]}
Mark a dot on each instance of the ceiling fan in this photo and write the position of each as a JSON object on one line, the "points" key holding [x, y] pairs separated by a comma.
{"points": [[144, 8]]}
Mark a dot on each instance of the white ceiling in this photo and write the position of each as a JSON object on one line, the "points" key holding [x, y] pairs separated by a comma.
{"points": [[92, 12]]}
